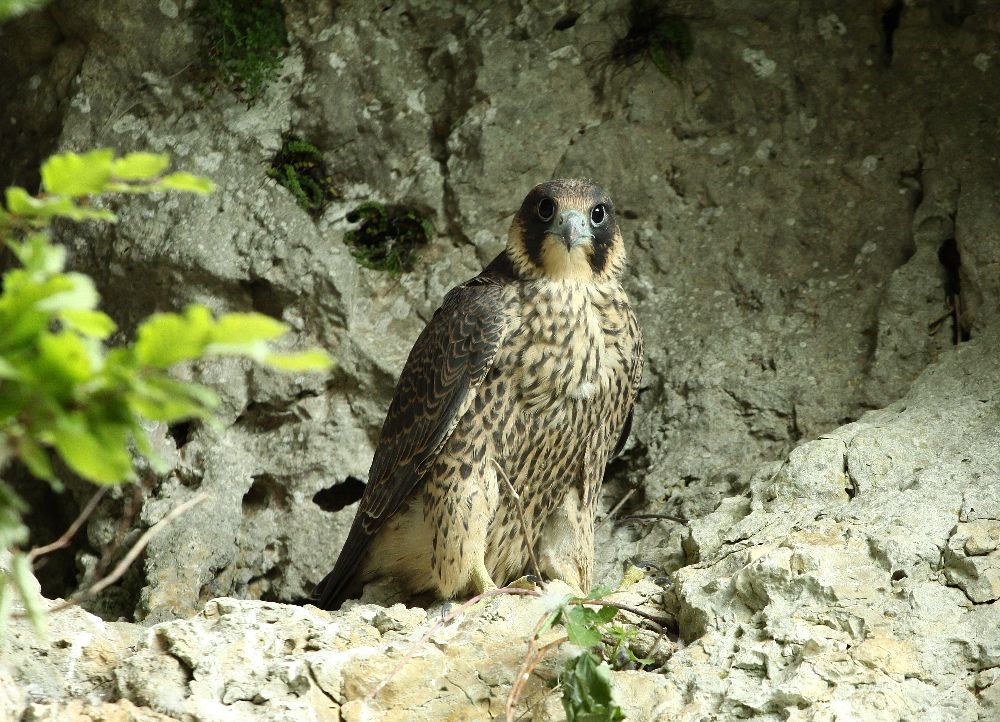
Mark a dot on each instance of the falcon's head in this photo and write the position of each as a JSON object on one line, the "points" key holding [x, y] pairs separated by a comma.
{"points": [[567, 230]]}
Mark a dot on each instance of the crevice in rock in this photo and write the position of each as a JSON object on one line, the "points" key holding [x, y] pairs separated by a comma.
{"points": [[460, 95], [567, 21], [265, 492], [270, 415], [264, 297], [890, 23], [181, 432], [951, 260], [340, 495]]}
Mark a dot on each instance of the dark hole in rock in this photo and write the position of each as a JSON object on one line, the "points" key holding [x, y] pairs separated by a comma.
{"points": [[890, 23], [265, 416], [340, 495], [181, 432], [951, 259], [264, 298], [265, 491], [50, 515], [566, 21], [898, 574]]}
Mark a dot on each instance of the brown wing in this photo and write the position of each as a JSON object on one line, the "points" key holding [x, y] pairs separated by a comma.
{"points": [[438, 384], [638, 351]]}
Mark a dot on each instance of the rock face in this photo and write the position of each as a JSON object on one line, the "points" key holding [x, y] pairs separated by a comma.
{"points": [[804, 200]]}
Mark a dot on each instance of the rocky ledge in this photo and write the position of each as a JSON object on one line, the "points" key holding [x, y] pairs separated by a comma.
{"points": [[857, 579]]}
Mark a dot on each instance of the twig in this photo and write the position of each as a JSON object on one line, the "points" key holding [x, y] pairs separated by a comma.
{"points": [[648, 517], [73, 528], [133, 554], [444, 621], [616, 508], [664, 622], [524, 523], [934, 326], [531, 659], [130, 507], [528, 664]]}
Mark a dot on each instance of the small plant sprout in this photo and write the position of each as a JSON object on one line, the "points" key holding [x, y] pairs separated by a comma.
{"points": [[388, 237]]}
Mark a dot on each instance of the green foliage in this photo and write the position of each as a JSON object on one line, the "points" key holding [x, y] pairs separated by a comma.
{"points": [[656, 34], [299, 167], [388, 237], [587, 691], [12, 8], [62, 390], [586, 680], [245, 42]]}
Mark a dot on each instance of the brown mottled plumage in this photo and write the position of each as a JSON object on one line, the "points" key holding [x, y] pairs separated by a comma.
{"points": [[527, 371]]}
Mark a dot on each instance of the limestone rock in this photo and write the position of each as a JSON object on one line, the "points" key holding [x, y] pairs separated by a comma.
{"points": [[810, 208]]}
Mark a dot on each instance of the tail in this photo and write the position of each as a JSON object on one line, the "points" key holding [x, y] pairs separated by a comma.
{"points": [[342, 582]]}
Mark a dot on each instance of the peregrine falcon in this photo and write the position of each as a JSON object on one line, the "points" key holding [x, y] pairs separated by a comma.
{"points": [[525, 378]]}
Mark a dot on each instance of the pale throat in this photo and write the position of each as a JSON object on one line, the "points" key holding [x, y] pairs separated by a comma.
{"points": [[561, 264]]}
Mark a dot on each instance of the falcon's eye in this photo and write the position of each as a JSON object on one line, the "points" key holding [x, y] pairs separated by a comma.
{"points": [[598, 214], [546, 209]]}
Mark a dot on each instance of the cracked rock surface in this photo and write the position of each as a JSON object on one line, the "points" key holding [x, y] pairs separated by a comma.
{"points": [[811, 206]]}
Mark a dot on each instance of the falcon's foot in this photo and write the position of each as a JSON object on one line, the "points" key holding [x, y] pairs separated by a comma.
{"points": [[528, 581], [481, 580]]}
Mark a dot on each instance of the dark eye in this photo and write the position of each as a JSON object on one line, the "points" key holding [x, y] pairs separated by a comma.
{"points": [[546, 209], [598, 214]]}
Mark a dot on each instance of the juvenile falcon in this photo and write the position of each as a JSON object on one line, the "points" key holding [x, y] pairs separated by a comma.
{"points": [[526, 376]]}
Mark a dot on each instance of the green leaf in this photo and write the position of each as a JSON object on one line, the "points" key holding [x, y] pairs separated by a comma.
{"points": [[37, 460], [96, 452], [587, 691], [165, 339], [599, 592], [72, 174], [27, 587], [186, 182], [79, 294], [314, 360], [240, 328], [140, 166], [8, 370], [39, 255], [21, 204], [64, 359], [12, 531], [580, 626], [161, 398], [93, 324], [606, 614]]}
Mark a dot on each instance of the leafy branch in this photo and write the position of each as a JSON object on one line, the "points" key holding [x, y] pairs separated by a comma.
{"points": [[63, 390]]}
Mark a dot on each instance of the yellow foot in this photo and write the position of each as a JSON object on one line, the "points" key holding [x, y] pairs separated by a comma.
{"points": [[481, 579], [528, 581]]}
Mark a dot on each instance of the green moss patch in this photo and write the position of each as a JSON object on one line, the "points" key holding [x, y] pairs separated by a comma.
{"points": [[299, 167], [388, 237], [245, 42], [654, 34]]}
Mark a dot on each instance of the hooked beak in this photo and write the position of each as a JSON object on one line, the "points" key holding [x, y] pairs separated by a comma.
{"points": [[573, 229]]}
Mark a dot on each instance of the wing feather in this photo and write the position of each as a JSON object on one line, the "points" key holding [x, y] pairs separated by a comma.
{"points": [[449, 360]]}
